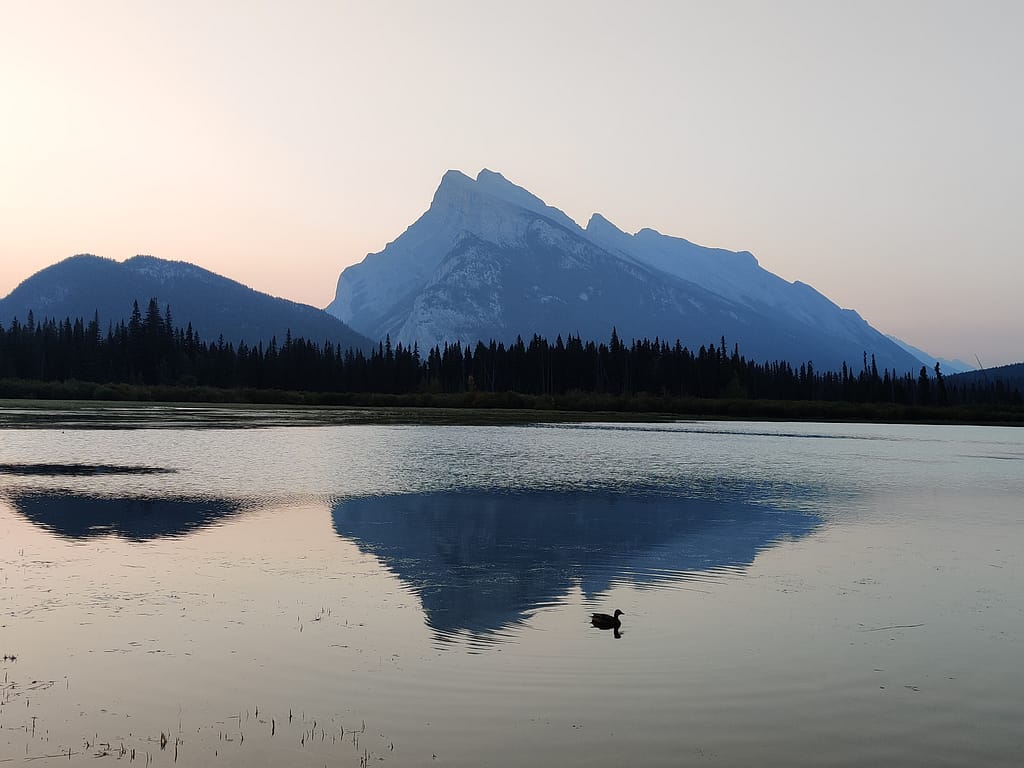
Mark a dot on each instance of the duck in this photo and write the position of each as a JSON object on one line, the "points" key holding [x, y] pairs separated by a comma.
{"points": [[604, 621]]}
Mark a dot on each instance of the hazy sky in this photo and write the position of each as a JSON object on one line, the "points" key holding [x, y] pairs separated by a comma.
{"points": [[871, 149]]}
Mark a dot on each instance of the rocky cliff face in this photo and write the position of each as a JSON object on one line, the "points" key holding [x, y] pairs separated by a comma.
{"points": [[489, 260]]}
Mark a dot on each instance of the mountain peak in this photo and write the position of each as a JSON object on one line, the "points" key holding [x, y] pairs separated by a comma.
{"points": [[164, 270], [493, 183], [649, 233], [598, 224], [487, 176], [85, 258], [453, 177], [460, 192], [453, 183], [490, 260]]}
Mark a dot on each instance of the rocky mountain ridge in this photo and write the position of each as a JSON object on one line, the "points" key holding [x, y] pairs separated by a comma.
{"points": [[490, 260]]}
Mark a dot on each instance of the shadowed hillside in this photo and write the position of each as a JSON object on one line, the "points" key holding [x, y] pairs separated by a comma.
{"points": [[84, 286]]}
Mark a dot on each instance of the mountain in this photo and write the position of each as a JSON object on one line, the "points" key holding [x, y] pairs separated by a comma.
{"points": [[947, 366], [216, 306], [490, 260]]}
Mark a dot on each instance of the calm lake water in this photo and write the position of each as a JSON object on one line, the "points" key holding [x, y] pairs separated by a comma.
{"points": [[221, 588]]}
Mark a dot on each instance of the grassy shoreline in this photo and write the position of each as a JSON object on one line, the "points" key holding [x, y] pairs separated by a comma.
{"points": [[503, 407]]}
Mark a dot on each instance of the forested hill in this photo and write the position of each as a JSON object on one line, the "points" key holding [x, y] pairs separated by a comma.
{"points": [[1009, 376], [149, 350], [90, 286]]}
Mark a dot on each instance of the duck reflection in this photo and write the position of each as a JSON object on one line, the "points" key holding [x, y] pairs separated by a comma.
{"points": [[606, 621], [80, 516], [481, 561]]}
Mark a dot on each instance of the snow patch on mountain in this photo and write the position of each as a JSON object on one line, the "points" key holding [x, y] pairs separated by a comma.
{"points": [[165, 271]]}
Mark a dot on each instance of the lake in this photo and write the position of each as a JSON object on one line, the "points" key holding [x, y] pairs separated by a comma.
{"points": [[265, 587]]}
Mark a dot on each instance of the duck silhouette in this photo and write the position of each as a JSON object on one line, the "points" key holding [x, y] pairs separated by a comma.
{"points": [[604, 621]]}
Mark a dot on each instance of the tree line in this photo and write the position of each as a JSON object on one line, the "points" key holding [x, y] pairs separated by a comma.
{"points": [[150, 349]]}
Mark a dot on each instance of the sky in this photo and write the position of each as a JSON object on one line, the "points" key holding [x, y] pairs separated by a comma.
{"points": [[870, 149]]}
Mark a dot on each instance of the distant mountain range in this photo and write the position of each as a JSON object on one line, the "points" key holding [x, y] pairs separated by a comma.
{"points": [[215, 306], [947, 366], [489, 260]]}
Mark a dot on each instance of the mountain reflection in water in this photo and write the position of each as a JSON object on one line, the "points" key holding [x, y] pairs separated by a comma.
{"points": [[481, 561], [80, 516]]}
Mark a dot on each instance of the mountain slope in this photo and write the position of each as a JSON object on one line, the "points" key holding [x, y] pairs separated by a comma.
{"points": [[947, 366], [1011, 376], [489, 259], [216, 306]]}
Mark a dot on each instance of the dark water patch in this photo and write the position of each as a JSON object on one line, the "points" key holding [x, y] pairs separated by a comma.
{"points": [[121, 416], [85, 415], [703, 429], [81, 470], [996, 456], [482, 561], [81, 516]]}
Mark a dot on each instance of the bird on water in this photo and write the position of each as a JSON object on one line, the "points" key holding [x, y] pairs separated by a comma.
{"points": [[604, 621]]}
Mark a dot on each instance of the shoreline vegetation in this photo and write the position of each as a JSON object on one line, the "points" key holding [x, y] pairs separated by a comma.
{"points": [[150, 359], [488, 407]]}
